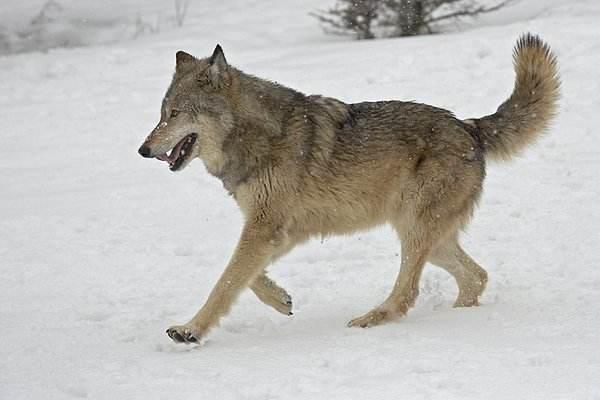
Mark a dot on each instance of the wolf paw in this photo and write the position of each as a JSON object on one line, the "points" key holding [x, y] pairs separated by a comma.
{"points": [[276, 297], [183, 334], [469, 294], [374, 317], [283, 303], [466, 302]]}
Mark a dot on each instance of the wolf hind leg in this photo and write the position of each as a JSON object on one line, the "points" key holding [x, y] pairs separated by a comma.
{"points": [[436, 206], [271, 294], [416, 245], [470, 277]]}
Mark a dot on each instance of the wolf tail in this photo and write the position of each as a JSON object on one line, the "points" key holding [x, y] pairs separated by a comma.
{"points": [[521, 119]]}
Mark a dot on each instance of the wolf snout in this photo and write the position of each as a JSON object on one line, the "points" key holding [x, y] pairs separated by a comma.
{"points": [[145, 151]]}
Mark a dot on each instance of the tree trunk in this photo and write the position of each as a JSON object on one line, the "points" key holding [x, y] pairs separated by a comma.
{"points": [[410, 17], [366, 13]]}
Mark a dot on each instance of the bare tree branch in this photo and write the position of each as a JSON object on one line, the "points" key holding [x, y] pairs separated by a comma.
{"points": [[365, 18], [469, 12]]}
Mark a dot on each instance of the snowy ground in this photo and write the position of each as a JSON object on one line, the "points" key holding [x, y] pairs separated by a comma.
{"points": [[101, 250]]}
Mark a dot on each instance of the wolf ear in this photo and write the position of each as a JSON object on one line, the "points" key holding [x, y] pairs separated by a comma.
{"points": [[217, 71], [183, 60]]}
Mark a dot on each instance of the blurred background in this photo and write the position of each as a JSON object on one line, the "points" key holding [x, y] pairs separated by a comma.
{"points": [[38, 25]]}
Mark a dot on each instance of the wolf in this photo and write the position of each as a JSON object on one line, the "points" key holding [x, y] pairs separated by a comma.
{"points": [[301, 166]]}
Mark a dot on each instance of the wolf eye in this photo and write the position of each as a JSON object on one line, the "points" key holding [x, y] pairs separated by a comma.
{"points": [[174, 113]]}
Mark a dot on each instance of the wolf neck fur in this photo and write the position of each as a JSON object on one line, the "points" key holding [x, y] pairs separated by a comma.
{"points": [[264, 109]]}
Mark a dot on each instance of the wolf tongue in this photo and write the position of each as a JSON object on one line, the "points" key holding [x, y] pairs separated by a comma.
{"points": [[176, 151]]}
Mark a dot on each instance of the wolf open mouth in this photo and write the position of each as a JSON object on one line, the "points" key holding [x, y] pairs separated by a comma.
{"points": [[180, 152]]}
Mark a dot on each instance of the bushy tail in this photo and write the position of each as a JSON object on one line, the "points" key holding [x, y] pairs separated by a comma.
{"points": [[521, 119]]}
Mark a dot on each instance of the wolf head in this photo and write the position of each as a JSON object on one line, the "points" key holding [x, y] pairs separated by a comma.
{"points": [[196, 113]]}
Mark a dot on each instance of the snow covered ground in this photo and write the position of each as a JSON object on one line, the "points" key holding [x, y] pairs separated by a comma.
{"points": [[101, 250]]}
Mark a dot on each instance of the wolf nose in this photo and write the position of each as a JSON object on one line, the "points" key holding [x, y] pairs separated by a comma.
{"points": [[145, 151]]}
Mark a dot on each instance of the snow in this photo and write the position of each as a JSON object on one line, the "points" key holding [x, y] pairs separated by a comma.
{"points": [[101, 250]]}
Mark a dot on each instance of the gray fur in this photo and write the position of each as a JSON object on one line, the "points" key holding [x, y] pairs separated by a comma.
{"points": [[301, 166]]}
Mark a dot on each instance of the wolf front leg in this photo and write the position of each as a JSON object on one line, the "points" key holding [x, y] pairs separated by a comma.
{"points": [[271, 294], [259, 241]]}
